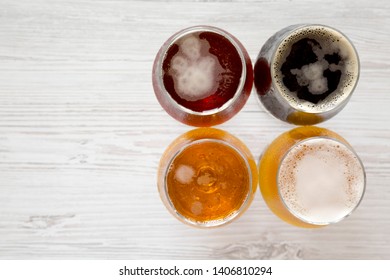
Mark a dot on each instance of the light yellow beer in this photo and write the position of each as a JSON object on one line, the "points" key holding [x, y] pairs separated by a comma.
{"points": [[311, 177]]}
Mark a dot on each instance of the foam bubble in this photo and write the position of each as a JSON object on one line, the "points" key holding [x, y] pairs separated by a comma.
{"points": [[321, 180], [205, 179], [184, 174], [190, 46], [197, 208], [194, 71], [318, 86], [313, 71], [179, 63], [311, 75]]}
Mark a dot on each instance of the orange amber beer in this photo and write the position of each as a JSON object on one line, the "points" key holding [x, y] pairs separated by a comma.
{"points": [[207, 177], [311, 177]]}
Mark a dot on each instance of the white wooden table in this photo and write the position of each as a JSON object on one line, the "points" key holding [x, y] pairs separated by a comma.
{"points": [[81, 132]]}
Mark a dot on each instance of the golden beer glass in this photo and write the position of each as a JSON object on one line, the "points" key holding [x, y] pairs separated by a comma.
{"points": [[207, 178], [311, 177]]}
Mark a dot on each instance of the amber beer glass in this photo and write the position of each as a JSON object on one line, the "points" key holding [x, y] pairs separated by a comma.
{"points": [[305, 74], [207, 177], [202, 76], [311, 177]]}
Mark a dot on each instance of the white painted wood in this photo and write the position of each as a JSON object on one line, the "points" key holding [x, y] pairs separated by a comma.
{"points": [[81, 132]]}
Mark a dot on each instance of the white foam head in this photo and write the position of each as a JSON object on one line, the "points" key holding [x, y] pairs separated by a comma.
{"points": [[311, 75], [194, 69], [321, 180], [184, 174]]}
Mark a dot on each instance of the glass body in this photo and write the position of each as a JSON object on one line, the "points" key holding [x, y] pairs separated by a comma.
{"points": [[305, 74], [298, 184], [207, 177], [202, 76]]}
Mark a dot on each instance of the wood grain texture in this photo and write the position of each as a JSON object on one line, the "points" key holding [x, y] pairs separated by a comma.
{"points": [[81, 132]]}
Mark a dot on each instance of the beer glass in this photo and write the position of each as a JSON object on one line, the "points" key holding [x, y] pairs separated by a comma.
{"points": [[305, 74], [311, 177], [202, 76], [207, 177]]}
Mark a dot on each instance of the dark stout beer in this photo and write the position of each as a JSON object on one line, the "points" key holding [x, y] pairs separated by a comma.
{"points": [[306, 74]]}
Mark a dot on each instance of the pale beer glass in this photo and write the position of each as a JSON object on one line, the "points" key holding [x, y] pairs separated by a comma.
{"points": [[311, 177]]}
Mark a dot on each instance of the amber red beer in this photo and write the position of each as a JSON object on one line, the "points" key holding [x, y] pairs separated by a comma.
{"points": [[202, 76], [305, 74]]}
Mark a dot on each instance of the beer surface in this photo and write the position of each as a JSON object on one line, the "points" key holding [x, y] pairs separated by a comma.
{"points": [[208, 181], [321, 180], [316, 68], [202, 71]]}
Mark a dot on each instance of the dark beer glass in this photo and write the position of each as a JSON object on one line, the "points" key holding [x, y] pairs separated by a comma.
{"points": [[305, 74]]}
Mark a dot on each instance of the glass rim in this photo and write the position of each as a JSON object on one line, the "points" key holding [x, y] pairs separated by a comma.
{"points": [[340, 104], [293, 212], [177, 36], [211, 223]]}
